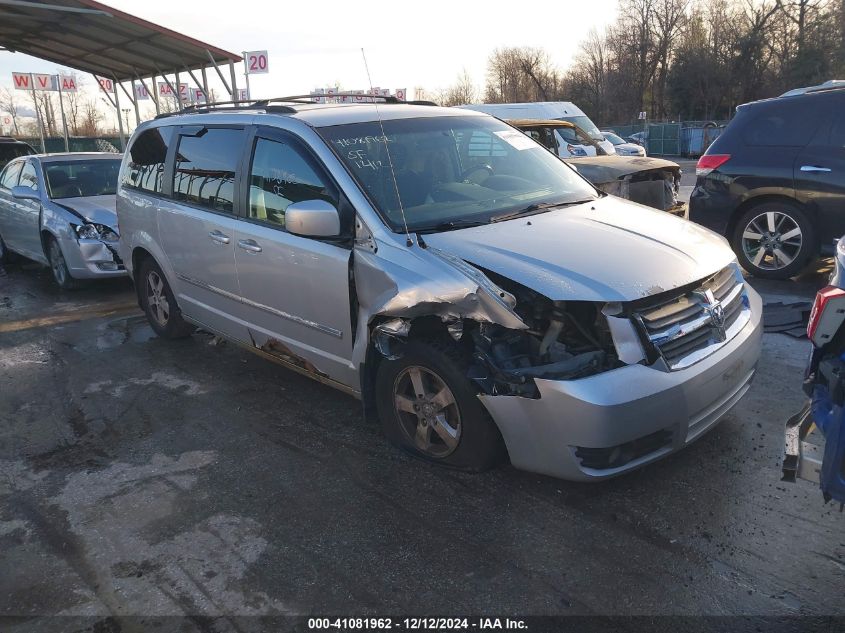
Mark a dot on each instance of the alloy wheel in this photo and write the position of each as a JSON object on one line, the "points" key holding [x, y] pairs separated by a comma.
{"points": [[427, 411], [772, 240], [57, 263], [157, 298]]}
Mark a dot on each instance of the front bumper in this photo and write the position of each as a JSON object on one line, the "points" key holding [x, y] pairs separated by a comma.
{"points": [[626, 406], [92, 259]]}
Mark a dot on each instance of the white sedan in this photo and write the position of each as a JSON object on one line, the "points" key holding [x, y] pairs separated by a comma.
{"points": [[59, 210], [623, 147]]}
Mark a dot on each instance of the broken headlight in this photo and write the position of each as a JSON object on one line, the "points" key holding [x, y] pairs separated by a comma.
{"points": [[95, 232]]}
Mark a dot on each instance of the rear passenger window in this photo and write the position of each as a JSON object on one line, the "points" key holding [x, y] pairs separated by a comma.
{"points": [[145, 167], [9, 178], [787, 124], [281, 175], [205, 168]]}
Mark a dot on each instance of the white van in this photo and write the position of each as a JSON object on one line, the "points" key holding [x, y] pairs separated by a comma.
{"points": [[562, 110]]}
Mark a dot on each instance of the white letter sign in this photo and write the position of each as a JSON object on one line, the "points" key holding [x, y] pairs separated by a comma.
{"points": [[257, 62]]}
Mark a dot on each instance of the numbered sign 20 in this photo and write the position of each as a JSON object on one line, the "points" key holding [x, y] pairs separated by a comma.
{"points": [[257, 62]]}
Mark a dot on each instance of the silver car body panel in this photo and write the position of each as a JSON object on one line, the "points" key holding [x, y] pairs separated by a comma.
{"points": [[85, 258], [643, 251], [399, 277]]}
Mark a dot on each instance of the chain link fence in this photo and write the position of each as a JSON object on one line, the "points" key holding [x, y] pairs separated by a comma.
{"points": [[687, 138], [76, 144]]}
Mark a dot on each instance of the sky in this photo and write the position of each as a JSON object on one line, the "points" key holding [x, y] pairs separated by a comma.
{"points": [[408, 44]]}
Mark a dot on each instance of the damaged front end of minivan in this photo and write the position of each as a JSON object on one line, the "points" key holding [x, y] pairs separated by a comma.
{"points": [[579, 389], [512, 334]]}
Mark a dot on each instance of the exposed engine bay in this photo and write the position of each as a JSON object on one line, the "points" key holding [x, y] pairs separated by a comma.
{"points": [[653, 182], [564, 340]]}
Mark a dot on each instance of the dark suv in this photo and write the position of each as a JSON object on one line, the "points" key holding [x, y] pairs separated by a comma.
{"points": [[774, 182], [11, 148]]}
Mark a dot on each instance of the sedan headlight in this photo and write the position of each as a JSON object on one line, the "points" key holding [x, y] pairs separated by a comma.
{"points": [[95, 232]]}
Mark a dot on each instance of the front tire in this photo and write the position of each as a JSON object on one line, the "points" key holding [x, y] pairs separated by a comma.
{"points": [[774, 240], [159, 304], [428, 407], [58, 266]]}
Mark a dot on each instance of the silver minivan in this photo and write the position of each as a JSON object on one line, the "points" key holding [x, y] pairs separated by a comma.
{"points": [[481, 298]]}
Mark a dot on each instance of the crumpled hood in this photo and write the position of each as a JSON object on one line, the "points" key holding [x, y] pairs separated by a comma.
{"points": [[95, 209], [607, 250], [599, 169]]}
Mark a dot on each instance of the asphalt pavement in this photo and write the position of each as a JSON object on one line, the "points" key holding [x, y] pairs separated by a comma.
{"points": [[145, 477]]}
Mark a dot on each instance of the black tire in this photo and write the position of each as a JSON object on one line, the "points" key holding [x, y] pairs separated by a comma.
{"points": [[4, 252], [159, 304], [775, 257], [58, 266], [478, 444]]}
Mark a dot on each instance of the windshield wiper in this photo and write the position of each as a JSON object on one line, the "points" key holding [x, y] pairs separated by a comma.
{"points": [[451, 225], [534, 208]]}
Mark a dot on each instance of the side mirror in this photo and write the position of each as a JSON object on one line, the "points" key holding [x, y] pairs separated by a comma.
{"points": [[25, 193], [312, 218]]}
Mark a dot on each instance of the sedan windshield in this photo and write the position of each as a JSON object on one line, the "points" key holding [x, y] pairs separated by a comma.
{"points": [[453, 171], [82, 178]]}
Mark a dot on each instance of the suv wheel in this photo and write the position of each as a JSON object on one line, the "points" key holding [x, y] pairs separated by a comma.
{"points": [[429, 407], [159, 304], [58, 266], [774, 240]]}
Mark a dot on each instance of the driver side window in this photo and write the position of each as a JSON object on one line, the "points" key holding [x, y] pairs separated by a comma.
{"points": [[9, 178], [281, 175], [29, 177]]}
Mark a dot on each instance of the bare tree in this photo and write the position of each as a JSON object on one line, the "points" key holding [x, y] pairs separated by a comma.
{"points": [[91, 117], [462, 92], [9, 103]]}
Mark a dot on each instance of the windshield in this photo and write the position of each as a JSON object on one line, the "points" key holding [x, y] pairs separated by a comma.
{"points": [[82, 178], [585, 124], [610, 136], [453, 170]]}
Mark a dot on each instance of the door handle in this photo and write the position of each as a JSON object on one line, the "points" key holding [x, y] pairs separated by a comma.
{"points": [[814, 168], [250, 246], [220, 238]]}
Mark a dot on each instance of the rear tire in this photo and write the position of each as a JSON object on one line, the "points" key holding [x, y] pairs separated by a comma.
{"points": [[4, 252], [774, 240], [58, 266], [428, 407], [159, 304]]}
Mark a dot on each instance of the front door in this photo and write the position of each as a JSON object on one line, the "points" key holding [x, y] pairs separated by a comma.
{"points": [[295, 289], [197, 228], [24, 230]]}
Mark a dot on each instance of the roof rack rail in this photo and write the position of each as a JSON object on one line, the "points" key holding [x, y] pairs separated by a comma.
{"points": [[268, 104]]}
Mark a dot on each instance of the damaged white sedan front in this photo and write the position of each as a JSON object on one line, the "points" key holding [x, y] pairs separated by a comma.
{"points": [[59, 210]]}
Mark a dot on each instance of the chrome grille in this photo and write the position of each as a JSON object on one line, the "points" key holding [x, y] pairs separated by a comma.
{"points": [[685, 328]]}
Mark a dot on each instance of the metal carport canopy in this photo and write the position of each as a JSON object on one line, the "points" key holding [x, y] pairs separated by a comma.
{"points": [[95, 38]]}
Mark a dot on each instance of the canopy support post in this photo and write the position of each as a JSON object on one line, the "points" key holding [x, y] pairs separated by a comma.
{"points": [[234, 81], [119, 117], [220, 74], [62, 110], [205, 85]]}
